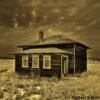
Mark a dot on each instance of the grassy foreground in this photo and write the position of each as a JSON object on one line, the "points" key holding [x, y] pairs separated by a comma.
{"points": [[85, 87]]}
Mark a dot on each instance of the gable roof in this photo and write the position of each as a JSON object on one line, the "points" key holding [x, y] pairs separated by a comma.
{"points": [[43, 50], [57, 39]]}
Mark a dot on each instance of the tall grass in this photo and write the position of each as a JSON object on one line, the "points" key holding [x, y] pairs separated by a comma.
{"points": [[16, 87]]}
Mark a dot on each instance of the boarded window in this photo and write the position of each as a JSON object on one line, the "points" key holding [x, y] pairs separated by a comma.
{"points": [[35, 61], [25, 61], [47, 61]]}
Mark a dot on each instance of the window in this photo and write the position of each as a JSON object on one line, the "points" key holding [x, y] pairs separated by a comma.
{"points": [[25, 61], [35, 61], [47, 61]]}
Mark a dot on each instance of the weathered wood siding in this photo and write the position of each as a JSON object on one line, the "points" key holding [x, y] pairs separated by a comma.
{"points": [[71, 64], [18, 63], [80, 59], [55, 65], [70, 59], [34, 71], [80, 62]]}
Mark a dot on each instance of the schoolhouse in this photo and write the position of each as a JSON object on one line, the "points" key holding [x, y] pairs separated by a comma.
{"points": [[54, 55]]}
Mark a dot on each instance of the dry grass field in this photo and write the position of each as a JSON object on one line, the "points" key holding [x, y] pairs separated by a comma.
{"points": [[15, 87]]}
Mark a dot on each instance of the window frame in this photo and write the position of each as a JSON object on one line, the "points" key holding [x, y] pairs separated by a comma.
{"points": [[33, 56], [25, 57], [44, 59]]}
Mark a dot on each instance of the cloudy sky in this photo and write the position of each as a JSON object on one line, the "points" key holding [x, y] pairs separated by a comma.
{"points": [[77, 19]]}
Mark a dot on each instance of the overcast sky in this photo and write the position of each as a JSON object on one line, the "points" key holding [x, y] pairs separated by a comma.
{"points": [[77, 19]]}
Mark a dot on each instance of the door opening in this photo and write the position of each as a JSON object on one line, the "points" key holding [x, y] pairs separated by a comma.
{"points": [[64, 65]]}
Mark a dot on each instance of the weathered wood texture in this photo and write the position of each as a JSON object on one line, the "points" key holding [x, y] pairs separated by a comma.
{"points": [[18, 63], [80, 62], [70, 49], [80, 59], [55, 66], [71, 64], [18, 66]]}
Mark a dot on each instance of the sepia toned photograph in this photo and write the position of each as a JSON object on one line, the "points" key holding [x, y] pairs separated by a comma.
{"points": [[49, 49]]}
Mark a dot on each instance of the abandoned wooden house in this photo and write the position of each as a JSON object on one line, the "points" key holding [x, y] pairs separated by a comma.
{"points": [[55, 55]]}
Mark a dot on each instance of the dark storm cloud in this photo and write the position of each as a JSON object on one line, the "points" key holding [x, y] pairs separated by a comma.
{"points": [[78, 19]]}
